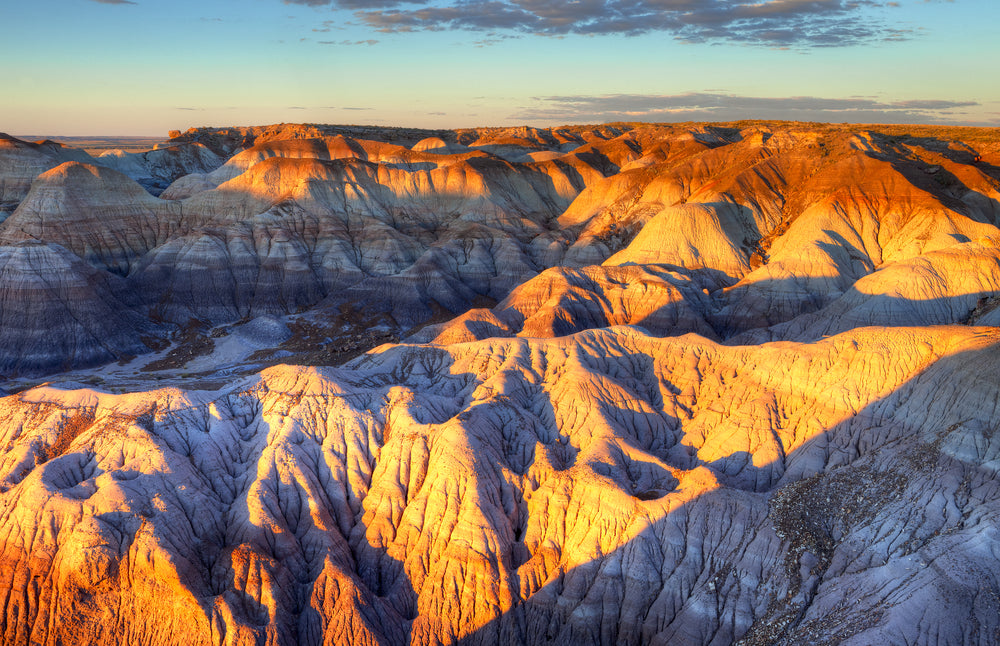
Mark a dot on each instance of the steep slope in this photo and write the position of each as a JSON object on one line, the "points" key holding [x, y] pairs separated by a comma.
{"points": [[398, 235], [562, 301], [707, 385], [330, 148], [869, 214], [156, 169], [21, 162], [944, 286], [603, 488], [228, 141], [727, 230], [97, 213], [776, 224], [59, 313]]}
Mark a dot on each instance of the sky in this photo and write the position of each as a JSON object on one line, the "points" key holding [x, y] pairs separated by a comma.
{"points": [[143, 67]]}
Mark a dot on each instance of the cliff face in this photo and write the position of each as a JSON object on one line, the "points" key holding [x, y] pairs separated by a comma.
{"points": [[680, 385]]}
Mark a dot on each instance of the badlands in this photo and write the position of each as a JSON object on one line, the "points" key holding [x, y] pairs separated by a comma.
{"points": [[620, 384]]}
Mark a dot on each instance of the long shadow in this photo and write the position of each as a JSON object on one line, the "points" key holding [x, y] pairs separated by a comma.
{"points": [[582, 308], [814, 546], [283, 260], [429, 278], [237, 271], [586, 510], [828, 314], [292, 549], [804, 511], [938, 181], [575, 300]]}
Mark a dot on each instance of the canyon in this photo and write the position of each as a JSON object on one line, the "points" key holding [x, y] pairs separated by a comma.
{"points": [[615, 384]]}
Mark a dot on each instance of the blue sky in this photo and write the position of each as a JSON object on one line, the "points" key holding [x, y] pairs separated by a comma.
{"points": [[77, 67]]}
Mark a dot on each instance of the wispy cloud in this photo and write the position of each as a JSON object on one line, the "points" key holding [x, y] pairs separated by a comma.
{"points": [[707, 106], [355, 4], [495, 38], [369, 42], [327, 26], [114, 1], [774, 23]]}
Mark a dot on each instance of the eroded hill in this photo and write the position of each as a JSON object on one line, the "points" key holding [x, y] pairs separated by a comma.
{"points": [[733, 232], [657, 384]]}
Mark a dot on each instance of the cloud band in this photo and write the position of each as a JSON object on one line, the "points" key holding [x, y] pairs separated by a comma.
{"points": [[782, 23]]}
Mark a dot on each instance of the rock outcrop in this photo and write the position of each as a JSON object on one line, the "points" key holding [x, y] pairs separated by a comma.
{"points": [[562, 301]]}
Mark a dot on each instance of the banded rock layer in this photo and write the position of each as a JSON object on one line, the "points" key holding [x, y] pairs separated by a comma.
{"points": [[736, 231]]}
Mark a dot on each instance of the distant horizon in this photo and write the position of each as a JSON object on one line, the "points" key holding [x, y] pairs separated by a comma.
{"points": [[130, 67], [88, 136], [163, 137]]}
